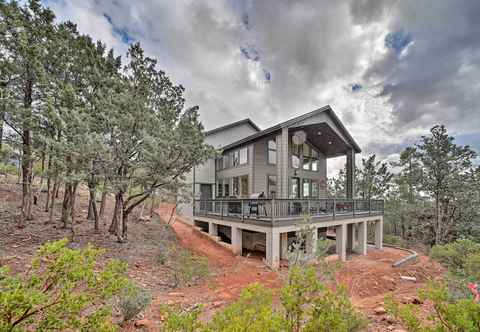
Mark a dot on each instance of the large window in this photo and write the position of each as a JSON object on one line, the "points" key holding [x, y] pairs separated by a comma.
{"points": [[244, 186], [227, 188], [235, 158], [243, 156], [272, 151], [236, 187], [296, 152], [306, 187], [307, 152], [314, 160], [314, 189], [271, 186], [295, 188], [220, 188]]}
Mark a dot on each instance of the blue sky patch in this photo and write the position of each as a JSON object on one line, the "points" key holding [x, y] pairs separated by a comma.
{"points": [[125, 37], [397, 40], [356, 87], [250, 52]]}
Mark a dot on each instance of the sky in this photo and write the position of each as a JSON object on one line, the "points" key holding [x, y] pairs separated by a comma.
{"points": [[391, 70]]}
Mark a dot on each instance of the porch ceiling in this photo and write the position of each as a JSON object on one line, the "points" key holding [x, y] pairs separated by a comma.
{"points": [[322, 136]]}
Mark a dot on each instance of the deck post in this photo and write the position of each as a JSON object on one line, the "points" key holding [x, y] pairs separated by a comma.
{"points": [[243, 213], [284, 245], [379, 233], [350, 237], [341, 241], [212, 229], [237, 245], [362, 238], [272, 254]]}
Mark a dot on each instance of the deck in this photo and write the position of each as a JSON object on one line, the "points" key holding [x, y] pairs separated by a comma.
{"points": [[280, 212]]}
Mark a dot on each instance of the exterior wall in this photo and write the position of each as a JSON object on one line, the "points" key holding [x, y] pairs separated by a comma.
{"points": [[205, 173], [261, 166], [246, 169]]}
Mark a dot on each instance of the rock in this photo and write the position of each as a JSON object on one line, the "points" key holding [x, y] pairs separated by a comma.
{"points": [[379, 310], [407, 278]]}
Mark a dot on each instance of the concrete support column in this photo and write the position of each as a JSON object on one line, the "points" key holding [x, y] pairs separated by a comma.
{"points": [[341, 241], [362, 238], [350, 237], [379, 234], [273, 249], [212, 229], [284, 245], [237, 240]]}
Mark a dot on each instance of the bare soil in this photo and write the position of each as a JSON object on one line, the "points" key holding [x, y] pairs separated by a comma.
{"points": [[368, 279]]}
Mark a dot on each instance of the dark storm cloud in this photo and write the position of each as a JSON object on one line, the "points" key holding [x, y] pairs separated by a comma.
{"points": [[393, 68]]}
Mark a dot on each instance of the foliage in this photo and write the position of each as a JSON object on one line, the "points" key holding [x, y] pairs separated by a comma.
{"points": [[373, 178], [306, 305], [133, 300], [251, 312], [64, 289], [459, 315], [181, 321], [394, 240]]}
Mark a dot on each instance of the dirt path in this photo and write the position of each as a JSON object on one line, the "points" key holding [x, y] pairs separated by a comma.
{"points": [[230, 275]]}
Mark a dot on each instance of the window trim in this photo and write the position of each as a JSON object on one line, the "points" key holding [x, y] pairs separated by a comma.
{"points": [[269, 149], [268, 186]]}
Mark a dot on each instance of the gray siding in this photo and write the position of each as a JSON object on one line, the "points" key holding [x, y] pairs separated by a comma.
{"points": [[261, 167]]}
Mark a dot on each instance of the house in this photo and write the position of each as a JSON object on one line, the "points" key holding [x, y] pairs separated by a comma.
{"points": [[266, 182]]}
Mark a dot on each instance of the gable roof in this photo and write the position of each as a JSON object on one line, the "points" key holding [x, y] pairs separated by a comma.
{"points": [[291, 122], [232, 125]]}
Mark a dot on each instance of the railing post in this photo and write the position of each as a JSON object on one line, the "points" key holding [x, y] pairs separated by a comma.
{"points": [[194, 204], [369, 207], [308, 207], [272, 209], [334, 208], [221, 209], [353, 205]]}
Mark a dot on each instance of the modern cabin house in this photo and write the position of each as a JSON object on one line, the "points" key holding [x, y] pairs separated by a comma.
{"points": [[268, 182]]}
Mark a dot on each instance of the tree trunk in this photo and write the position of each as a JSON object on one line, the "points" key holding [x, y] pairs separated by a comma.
{"points": [[2, 114], [92, 206], [67, 196], [120, 229], [47, 199], [42, 168], [27, 155], [104, 201], [52, 200]]}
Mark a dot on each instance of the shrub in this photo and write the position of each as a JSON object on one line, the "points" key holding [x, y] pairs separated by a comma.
{"points": [[133, 300], [186, 268], [65, 289], [461, 315], [455, 255], [394, 240], [252, 312], [181, 321]]}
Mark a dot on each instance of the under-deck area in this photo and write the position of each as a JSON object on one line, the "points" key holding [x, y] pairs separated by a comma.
{"points": [[267, 226]]}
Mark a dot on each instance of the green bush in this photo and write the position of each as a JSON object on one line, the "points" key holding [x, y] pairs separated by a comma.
{"points": [[181, 321], [455, 255], [133, 300], [8, 169], [306, 305], [65, 289], [460, 315]]}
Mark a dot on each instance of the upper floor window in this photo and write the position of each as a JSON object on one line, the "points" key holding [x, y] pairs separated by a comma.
{"points": [[310, 158], [235, 158], [314, 160], [272, 151], [296, 152], [243, 156]]}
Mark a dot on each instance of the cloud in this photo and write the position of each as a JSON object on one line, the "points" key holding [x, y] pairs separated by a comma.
{"points": [[390, 69]]}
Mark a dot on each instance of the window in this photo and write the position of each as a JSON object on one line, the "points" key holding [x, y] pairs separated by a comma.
{"points": [[225, 160], [235, 158], [306, 156], [314, 189], [295, 188], [244, 186], [272, 152], [220, 188], [235, 187], [227, 188], [306, 188], [271, 186], [314, 161], [243, 156], [296, 155]]}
